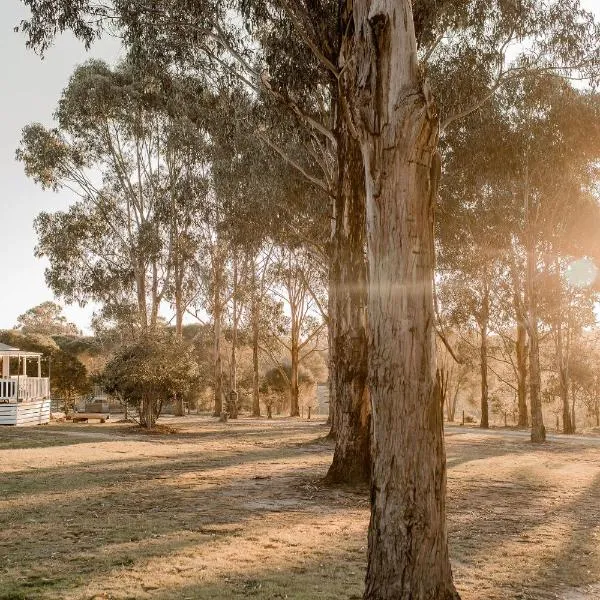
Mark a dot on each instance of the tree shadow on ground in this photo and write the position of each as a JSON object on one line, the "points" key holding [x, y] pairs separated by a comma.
{"points": [[58, 546], [251, 522]]}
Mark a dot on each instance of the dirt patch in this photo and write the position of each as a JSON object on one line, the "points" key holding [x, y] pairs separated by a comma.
{"points": [[237, 510]]}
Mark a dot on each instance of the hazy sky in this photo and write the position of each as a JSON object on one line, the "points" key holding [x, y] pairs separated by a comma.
{"points": [[31, 88], [30, 91]]}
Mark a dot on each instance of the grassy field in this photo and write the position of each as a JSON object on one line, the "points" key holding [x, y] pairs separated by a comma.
{"points": [[239, 510]]}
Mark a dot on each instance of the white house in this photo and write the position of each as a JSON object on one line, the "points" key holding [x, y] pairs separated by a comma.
{"points": [[24, 399]]}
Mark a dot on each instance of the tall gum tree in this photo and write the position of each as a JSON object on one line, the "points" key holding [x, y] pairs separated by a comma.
{"points": [[393, 115]]}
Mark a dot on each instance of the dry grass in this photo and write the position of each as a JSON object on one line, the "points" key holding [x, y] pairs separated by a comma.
{"points": [[238, 510]]}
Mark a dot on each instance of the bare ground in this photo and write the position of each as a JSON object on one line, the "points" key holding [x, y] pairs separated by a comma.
{"points": [[239, 510]]}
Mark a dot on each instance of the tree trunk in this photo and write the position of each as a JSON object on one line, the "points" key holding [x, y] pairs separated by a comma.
{"points": [[351, 459], [521, 364], [563, 377], [538, 431], [179, 305], [179, 405], [255, 316], [332, 419], [484, 321], [573, 426], [519, 306], [155, 299], [393, 114], [453, 399], [294, 389], [140, 281], [233, 395], [217, 315]]}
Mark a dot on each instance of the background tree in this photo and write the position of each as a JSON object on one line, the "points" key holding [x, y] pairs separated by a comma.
{"points": [[149, 372], [46, 319]]}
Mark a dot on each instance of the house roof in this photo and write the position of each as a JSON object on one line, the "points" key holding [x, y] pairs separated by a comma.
{"points": [[6, 350]]}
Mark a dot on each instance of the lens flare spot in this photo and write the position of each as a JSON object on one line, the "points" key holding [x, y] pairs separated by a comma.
{"points": [[581, 273]]}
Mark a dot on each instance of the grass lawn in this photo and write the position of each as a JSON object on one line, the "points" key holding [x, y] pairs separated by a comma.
{"points": [[238, 510]]}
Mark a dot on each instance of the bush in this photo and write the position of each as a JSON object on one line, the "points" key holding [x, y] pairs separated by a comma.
{"points": [[150, 371]]}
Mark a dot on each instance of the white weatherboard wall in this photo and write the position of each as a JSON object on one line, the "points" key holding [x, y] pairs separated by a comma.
{"points": [[25, 413]]}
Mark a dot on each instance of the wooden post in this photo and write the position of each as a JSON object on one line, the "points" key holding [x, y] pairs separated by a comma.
{"points": [[18, 376], [309, 413], [463, 418]]}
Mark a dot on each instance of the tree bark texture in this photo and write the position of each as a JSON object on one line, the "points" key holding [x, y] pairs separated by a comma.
{"points": [[390, 108], [351, 459]]}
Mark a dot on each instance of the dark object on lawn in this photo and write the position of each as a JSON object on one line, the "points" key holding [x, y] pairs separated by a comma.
{"points": [[83, 417]]}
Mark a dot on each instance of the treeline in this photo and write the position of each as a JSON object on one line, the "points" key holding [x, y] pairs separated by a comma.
{"points": [[337, 126], [518, 247], [177, 208]]}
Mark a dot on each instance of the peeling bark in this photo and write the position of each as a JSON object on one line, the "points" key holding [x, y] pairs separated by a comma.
{"points": [[390, 108]]}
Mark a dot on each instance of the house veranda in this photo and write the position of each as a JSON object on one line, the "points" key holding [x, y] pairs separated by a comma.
{"points": [[24, 393]]}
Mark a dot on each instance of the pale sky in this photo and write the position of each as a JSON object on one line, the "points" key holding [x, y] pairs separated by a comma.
{"points": [[30, 91]]}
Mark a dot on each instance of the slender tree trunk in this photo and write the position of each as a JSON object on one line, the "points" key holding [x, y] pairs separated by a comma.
{"points": [[217, 316], [332, 419], [179, 304], [233, 394], [394, 116], [573, 396], [483, 353], [255, 316], [155, 301], [563, 377], [294, 389], [452, 403], [351, 459], [333, 288], [538, 431], [521, 364], [179, 401], [140, 280], [519, 306]]}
